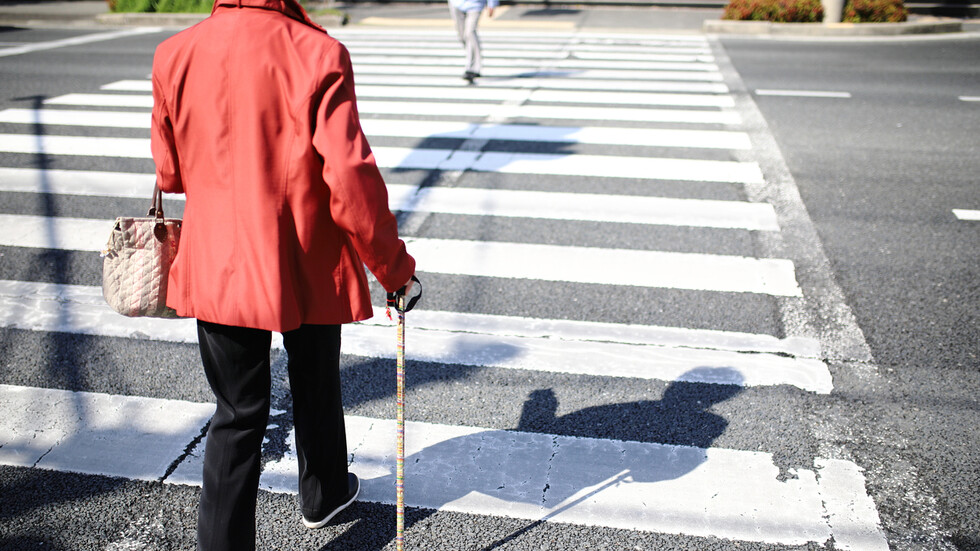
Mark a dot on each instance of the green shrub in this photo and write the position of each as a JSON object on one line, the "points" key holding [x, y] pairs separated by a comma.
{"points": [[184, 6], [777, 11], [140, 6], [161, 6], [874, 11]]}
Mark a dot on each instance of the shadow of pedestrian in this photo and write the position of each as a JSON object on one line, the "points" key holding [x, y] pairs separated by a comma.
{"points": [[553, 466]]}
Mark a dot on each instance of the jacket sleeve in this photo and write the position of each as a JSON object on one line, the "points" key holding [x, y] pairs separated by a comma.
{"points": [[162, 141], [358, 197]]}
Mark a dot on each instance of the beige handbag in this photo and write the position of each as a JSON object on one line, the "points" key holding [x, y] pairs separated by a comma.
{"points": [[136, 262]]}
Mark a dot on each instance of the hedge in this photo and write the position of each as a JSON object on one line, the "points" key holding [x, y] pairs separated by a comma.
{"points": [[811, 11]]}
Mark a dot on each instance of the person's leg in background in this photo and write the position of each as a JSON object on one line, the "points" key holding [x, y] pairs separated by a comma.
{"points": [[318, 416], [474, 54], [465, 24], [236, 362]]}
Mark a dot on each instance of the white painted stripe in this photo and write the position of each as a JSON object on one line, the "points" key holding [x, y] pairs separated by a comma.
{"points": [[598, 349], [49, 117], [671, 270], [803, 93], [91, 433], [705, 492], [77, 182], [966, 214], [852, 515], [458, 109], [454, 93], [515, 83], [650, 487], [559, 134], [531, 72], [103, 100], [546, 53], [717, 139], [397, 36], [702, 272], [666, 85], [608, 166], [76, 41], [626, 209], [969, 98], [555, 96], [558, 112], [530, 64], [375, 46], [76, 234], [138, 148]]}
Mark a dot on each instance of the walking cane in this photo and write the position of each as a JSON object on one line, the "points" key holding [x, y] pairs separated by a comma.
{"points": [[397, 299]]}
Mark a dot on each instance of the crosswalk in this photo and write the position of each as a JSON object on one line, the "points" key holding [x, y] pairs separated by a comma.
{"points": [[611, 139]]}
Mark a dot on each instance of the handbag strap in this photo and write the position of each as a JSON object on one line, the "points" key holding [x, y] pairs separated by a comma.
{"points": [[156, 203]]}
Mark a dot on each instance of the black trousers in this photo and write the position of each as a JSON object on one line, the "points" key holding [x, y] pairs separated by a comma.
{"points": [[236, 362]]}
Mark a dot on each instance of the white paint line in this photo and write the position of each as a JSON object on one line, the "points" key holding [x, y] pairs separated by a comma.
{"points": [[559, 346], [84, 432], [969, 98], [360, 62], [628, 209], [137, 148], [967, 214], [589, 207], [608, 166], [553, 53], [553, 96], [517, 72], [76, 234], [50, 117], [601, 97], [852, 514], [650, 487], [103, 100], [78, 182], [803, 93], [468, 109], [667, 85], [702, 272], [538, 112], [494, 48], [707, 139], [76, 41], [603, 166]]}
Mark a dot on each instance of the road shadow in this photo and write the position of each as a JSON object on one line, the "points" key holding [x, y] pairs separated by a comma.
{"points": [[552, 464]]}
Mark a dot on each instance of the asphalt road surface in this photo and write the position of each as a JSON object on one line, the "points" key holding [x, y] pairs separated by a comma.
{"points": [[681, 293]]}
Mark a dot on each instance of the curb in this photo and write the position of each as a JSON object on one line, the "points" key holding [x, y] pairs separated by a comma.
{"points": [[830, 29]]}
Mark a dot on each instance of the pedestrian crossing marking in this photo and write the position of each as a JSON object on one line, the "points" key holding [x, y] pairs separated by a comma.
{"points": [[635, 268], [608, 166], [557, 346], [552, 205], [832, 492], [641, 137], [427, 108], [707, 492], [487, 83]]}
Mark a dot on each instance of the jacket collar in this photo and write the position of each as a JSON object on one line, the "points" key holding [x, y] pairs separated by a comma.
{"points": [[290, 8]]}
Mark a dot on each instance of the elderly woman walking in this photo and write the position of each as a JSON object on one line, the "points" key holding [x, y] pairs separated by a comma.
{"points": [[255, 120], [466, 16]]}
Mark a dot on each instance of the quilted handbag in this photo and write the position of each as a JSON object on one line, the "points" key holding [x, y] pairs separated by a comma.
{"points": [[136, 262]]}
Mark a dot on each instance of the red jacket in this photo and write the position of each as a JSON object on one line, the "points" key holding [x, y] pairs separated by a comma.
{"points": [[254, 119]]}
